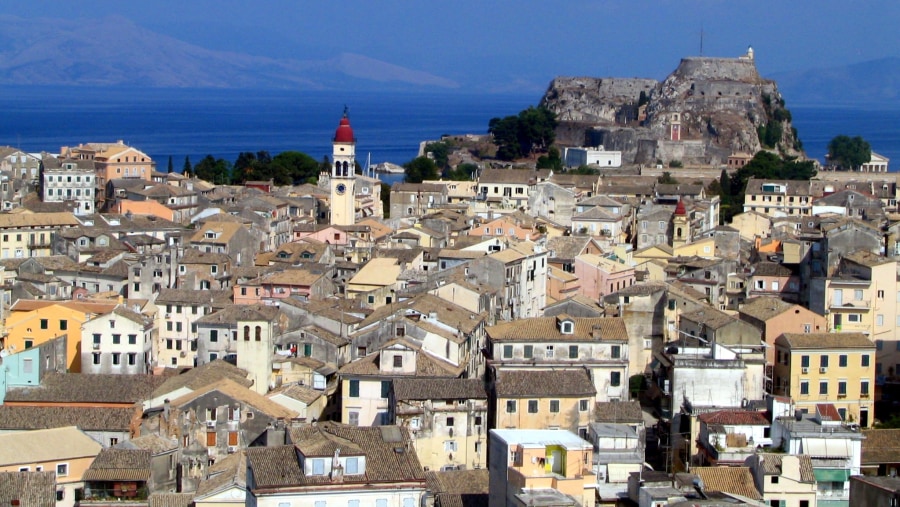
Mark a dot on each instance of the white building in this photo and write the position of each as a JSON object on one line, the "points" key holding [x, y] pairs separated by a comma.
{"points": [[72, 181], [876, 164], [118, 342], [576, 157]]}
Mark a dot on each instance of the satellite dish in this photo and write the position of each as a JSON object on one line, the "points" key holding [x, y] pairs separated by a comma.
{"points": [[4, 353]]}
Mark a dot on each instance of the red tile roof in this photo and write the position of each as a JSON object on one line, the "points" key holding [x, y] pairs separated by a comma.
{"points": [[735, 418]]}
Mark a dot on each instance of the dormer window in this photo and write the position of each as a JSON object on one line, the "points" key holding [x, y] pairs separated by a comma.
{"points": [[566, 326], [210, 235]]}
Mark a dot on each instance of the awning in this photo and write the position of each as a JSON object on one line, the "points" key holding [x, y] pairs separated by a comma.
{"points": [[826, 448], [831, 474]]}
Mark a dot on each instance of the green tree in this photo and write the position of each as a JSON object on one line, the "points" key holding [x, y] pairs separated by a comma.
{"points": [[386, 199], [551, 160], [532, 131], [765, 165], [214, 171], [420, 169], [294, 167], [849, 153], [186, 169], [666, 178], [171, 167], [463, 172], [440, 153], [585, 169]]}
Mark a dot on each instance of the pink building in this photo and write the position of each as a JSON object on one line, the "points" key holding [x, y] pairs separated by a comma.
{"points": [[268, 289], [600, 276]]}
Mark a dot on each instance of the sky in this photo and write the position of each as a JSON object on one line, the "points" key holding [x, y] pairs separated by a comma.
{"points": [[517, 41]]}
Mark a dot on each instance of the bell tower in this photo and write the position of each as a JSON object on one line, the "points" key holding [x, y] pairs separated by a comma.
{"points": [[343, 174], [681, 226]]}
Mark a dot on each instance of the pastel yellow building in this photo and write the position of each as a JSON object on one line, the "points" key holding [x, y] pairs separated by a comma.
{"points": [[538, 399], [27, 234], [67, 451], [33, 322], [833, 368]]}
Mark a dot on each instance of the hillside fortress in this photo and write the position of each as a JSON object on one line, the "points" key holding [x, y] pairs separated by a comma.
{"points": [[702, 113]]}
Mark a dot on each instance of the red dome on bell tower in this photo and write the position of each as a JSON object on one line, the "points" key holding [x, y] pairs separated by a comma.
{"points": [[679, 208], [344, 132]]}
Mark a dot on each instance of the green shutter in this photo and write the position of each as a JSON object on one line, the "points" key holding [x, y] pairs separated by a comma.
{"points": [[831, 475], [354, 388]]}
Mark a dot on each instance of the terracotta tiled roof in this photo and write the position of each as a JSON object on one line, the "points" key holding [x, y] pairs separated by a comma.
{"points": [[84, 418], [120, 465], [388, 457], [548, 329], [171, 500], [618, 412], [825, 341], [241, 393], [828, 412], [772, 465], [426, 366], [764, 308], [735, 418], [881, 446], [542, 383], [31, 489], [459, 488], [209, 373], [437, 389], [735, 480], [224, 473], [87, 388]]}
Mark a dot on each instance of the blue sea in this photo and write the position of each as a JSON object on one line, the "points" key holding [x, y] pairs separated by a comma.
{"points": [[388, 126]]}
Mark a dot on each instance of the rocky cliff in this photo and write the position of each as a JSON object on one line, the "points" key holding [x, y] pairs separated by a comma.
{"points": [[707, 109]]}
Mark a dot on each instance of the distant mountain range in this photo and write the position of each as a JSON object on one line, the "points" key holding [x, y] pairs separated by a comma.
{"points": [[114, 51], [874, 83]]}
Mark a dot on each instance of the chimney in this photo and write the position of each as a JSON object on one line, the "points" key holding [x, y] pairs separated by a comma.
{"points": [[337, 471]]}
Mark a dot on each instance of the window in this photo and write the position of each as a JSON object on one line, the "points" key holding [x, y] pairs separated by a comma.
{"points": [[616, 352], [354, 388], [864, 388], [582, 405], [554, 406], [804, 387], [96, 338], [842, 388], [532, 406], [854, 317], [529, 351], [132, 358], [823, 387], [823, 361], [573, 351], [398, 361], [258, 333], [28, 366], [385, 388], [865, 360], [804, 361], [44, 323], [62, 469], [63, 325], [210, 439], [353, 419], [450, 446], [842, 360], [117, 358], [879, 320], [29, 344], [507, 351], [132, 339], [352, 466], [117, 339], [615, 379], [450, 422], [858, 294], [318, 467], [96, 358], [169, 344], [510, 406], [213, 335], [549, 351]]}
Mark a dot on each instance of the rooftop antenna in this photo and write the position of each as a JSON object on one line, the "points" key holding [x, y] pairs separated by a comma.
{"points": [[701, 39]]}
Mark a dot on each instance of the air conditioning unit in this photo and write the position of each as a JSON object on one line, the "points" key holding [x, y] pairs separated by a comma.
{"points": [[183, 353], [96, 346], [804, 370], [232, 449], [823, 369]]}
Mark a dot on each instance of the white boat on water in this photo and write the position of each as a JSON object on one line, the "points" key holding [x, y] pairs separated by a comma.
{"points": [[389, 168]]}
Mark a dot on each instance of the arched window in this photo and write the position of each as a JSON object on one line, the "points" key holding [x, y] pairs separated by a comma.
{"points": [[678, 232], [246, 333], [258, 333]]}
